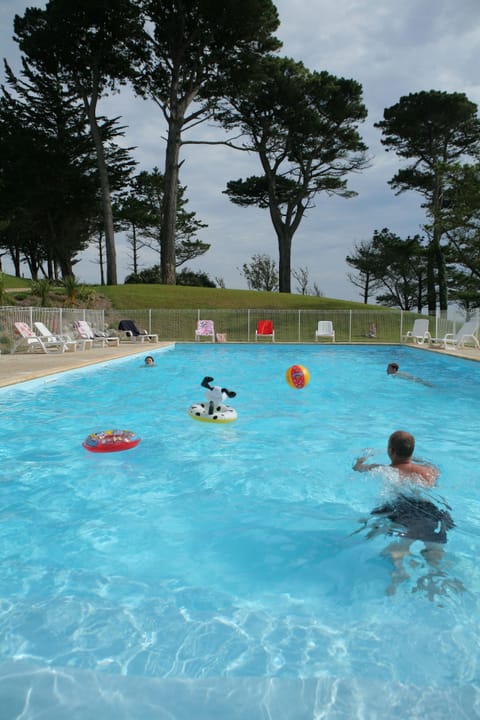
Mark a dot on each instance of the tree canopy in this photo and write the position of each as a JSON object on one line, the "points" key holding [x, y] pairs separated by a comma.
{"points": [[91, 46], [140, 211], [49, 187], [393, 267], [61, 164], [436, 131], [303, 127], [192, 47], [261, 273]]}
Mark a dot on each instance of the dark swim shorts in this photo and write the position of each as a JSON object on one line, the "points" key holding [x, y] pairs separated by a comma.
{"points": [[419, 519]]}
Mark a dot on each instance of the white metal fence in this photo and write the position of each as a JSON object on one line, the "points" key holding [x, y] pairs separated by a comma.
{"points": [[296, 326]]}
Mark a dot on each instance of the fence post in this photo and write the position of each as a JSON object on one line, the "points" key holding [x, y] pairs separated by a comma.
{"points": [[349, 326], [248, 325], [299, 326]]}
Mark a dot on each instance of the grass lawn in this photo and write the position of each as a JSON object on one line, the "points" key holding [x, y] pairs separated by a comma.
{"points": [[179, 297], [10, 281]]}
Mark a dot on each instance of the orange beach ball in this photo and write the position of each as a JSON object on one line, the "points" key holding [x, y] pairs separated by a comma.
{"points": [[297, 376]]}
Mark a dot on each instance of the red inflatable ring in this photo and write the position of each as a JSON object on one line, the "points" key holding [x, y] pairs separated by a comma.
{"points": [[111, 441]]}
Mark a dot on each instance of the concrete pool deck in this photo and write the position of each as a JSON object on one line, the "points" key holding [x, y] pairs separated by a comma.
{"points": [[30, 366]]}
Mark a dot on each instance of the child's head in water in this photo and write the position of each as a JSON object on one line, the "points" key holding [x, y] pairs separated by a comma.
{"points": [[149, 360], [392, 368]]}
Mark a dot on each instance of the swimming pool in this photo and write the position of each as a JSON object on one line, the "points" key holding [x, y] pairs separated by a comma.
{"points": [[216, 571]]}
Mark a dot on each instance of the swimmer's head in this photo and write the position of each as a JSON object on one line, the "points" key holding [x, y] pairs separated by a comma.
{"points": [[392, 368], [401, 444], [149, 360]]}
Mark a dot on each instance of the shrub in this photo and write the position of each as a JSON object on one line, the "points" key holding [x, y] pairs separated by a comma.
{"points": [[149, 276], [194, 279], [42, 289]]}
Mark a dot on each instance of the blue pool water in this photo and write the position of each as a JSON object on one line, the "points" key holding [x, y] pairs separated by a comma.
{"points": [[216, 562]]}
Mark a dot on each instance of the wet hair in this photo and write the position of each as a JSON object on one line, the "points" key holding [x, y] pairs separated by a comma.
{"points": [[394, 366], [149, 357], [402, 444]]}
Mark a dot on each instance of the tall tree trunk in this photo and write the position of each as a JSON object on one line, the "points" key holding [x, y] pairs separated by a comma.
{"points": [[169, 205], [284, 235], [134, 249], [437, 250], [420, 294], [66, 267], [431, 289], [285, 227], [441, 276], [366, 289], [105, 188], [284, 259], [15, 256], [100, 258]]}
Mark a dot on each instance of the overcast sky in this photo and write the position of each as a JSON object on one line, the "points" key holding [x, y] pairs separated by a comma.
{"points": [[392, 49]]}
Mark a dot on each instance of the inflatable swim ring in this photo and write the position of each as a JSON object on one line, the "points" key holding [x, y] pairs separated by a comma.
{"points": [[214, 410], [111, 441], [220, 414]]}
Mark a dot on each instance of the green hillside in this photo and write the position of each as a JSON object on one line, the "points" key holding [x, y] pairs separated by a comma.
{"points": [[10, 281], [180, 297]]}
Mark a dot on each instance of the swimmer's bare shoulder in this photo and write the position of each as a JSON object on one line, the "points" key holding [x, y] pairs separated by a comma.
{"points": [[428, 474]]}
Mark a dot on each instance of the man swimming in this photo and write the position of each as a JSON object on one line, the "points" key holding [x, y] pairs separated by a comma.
{"points": [[410, 517], [401, 445]]}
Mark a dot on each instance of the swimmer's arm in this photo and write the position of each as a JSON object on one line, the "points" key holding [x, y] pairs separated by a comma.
{"points": [[361, 466]]}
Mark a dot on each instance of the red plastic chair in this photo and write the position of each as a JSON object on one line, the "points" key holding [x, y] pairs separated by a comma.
{"points": [[265, 329]]}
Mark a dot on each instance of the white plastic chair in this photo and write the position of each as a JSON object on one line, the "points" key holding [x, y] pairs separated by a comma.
{"points": [[466, 334], [325, 329], [419, 333], [35, 343], [85, 332], [45, 333]]}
